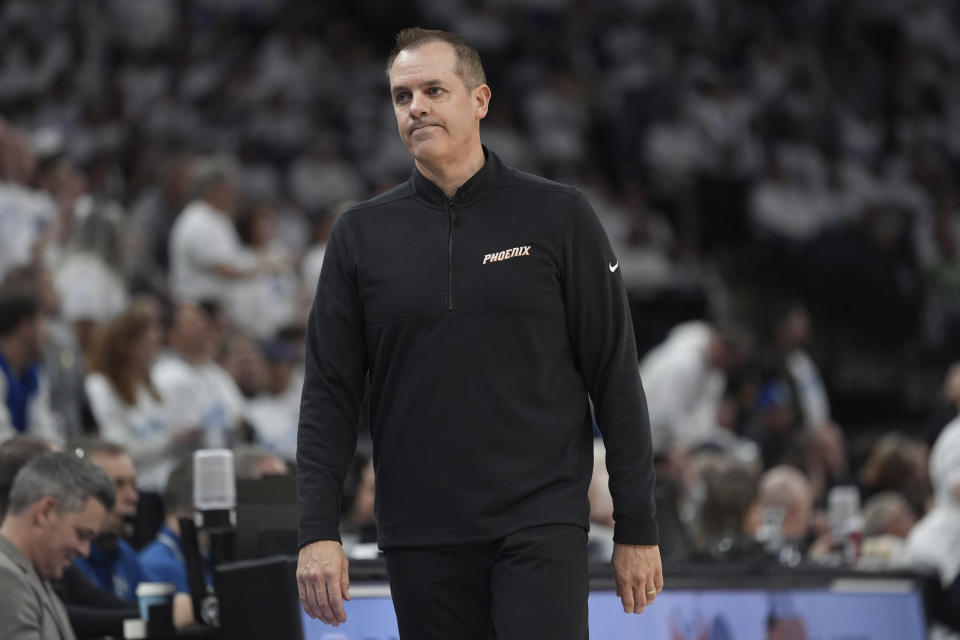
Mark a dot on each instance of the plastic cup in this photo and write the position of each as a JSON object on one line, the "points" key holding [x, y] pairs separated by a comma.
{"points": [[154, 593]]}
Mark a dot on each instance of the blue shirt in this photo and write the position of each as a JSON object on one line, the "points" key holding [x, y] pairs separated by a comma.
{"points": [[163, 561], [118, 572], [20, 389]]}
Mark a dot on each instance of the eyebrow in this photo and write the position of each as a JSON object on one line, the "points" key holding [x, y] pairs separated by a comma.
{"points": [[425, 83]]}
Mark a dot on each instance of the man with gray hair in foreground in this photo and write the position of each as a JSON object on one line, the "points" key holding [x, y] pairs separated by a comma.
{"points": [[57, 506]]}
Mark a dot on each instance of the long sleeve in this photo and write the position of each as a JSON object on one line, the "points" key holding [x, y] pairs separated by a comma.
{"points": [[601, 331], [335, 369]]}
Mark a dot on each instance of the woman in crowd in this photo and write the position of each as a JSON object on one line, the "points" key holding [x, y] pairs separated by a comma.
{"points": [[124, 401]]}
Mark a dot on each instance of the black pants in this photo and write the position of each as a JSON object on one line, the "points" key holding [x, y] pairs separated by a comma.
{"points": [[530, 584]]}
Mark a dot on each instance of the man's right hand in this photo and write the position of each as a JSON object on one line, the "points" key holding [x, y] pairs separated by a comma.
{"points": [[323, 580]]}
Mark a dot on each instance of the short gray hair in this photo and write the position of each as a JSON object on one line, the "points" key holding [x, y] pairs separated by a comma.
{"points": [[469, 68], [211, 170], [69, 480]]}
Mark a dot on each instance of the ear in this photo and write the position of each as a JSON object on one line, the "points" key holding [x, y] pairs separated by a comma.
{"points": [[481, 100], [42, 510]]}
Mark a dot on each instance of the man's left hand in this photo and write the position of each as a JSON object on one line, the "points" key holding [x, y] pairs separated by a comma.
{"points": [[639, 575]]}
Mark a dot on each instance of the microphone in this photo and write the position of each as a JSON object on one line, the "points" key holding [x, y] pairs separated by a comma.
{"points": [[214, 490], [215, 512]]}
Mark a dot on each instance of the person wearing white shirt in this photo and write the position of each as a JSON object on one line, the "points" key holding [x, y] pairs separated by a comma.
{"points": [[127, 406], [684, 379], [275, 413], [206, 255], [263, 304], [193, 386]]}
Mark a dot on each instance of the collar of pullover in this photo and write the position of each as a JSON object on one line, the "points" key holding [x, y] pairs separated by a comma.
{"points": [[472, 191]]}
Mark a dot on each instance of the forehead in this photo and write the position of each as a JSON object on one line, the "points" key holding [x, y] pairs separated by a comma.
{"points": [[116, 465], [89, 517], [434, 60]]}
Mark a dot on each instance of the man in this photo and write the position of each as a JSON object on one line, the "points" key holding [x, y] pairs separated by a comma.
{"points": [[113, 564], [92, 612], [197, 389], [63, 362], [485, 305], [684, 378], [23, 386], [205, 250], [57, 505], [163, 559]]}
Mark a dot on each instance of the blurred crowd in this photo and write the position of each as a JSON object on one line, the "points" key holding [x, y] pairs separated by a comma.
{"points": [[778, 180]]}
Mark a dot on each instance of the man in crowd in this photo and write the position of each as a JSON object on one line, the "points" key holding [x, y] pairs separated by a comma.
{"points": [[113, 564], [56, 507], [23, 386], [163, 559], [486, 305]]}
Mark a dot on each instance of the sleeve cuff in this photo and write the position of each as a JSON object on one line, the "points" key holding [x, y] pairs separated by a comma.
{"points": [[642, 531]]}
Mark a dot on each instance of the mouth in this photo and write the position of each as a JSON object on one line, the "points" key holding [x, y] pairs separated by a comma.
{"points": [[421, 127]]}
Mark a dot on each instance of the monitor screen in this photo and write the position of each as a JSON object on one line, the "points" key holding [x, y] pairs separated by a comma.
{"points": [[812, 614]]}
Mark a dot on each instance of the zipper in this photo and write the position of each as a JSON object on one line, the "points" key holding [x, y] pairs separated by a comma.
{"points": [[453, 222]]}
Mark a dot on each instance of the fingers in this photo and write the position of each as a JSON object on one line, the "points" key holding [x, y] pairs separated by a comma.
{"points": [[309, 598], [323, 583], [345, 580]]}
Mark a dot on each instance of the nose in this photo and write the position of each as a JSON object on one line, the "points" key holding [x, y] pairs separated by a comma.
{"points": [[418, 105]]}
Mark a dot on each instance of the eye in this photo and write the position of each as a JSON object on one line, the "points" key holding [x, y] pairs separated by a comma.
{"points": [[401, 96], [434, 91]]}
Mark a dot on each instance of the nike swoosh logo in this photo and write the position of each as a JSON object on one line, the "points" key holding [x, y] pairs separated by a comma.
{"points": [[613, 267]]}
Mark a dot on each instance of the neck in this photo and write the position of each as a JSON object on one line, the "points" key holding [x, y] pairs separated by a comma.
{"points": [[451, 175], [173, 523], [191, 356], [13, 354]]}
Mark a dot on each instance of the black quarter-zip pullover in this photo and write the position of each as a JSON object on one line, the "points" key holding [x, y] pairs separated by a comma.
{"points": [[484, 321]]}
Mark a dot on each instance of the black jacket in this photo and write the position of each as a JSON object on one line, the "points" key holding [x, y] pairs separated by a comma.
{"points": [[484, 321]]}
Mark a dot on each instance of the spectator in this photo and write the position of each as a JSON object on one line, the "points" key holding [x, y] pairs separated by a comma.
{"points": [[92, 612], [198, 392], [206, 257], [783, 512], [731, 491], [57, 505], [684, 378], [934, 544], [151, 220], [898, 463], [14, 453], [23, 386], [63, 360], [125, 403], [251, 462], [262, 304], [163, 559], [274, 414], [91, 279], [112, 563]]}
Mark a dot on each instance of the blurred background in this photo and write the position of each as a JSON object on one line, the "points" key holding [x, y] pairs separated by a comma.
{"points": [[778, 178]]}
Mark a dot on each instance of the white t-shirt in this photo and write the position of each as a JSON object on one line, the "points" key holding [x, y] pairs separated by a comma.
{"points": [[88, 289], [262, 304], [202, 238], [275, 419], [200, 395], [683, 392], [145, 429]]}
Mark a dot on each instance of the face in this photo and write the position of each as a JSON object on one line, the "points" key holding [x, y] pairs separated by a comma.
{"points": [[143, 350], [121, 471], [437, 116], [35, 336], [65, 536]]}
